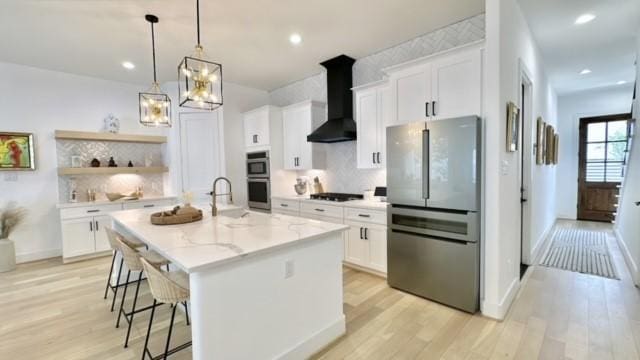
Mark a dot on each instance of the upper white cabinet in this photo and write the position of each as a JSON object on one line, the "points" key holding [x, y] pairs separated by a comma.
{"points": [[257, 124], [298, 121], [372, 117], [438, 87]]}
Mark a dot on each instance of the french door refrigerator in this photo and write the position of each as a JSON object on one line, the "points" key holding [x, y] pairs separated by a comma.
{"points": [[433, 187]]}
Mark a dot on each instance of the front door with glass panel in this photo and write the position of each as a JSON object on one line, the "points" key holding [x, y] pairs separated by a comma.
{"points": [[602, 156]]}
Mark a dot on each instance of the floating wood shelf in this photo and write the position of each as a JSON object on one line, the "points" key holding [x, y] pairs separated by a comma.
{"points": [[96, 136], [112, 170]]}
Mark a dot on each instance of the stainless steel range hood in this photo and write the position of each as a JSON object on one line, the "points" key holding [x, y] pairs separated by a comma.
{"points": [[340, 125]]}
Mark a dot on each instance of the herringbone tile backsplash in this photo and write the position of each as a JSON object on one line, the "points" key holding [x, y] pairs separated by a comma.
{"points": [[342, 174]]}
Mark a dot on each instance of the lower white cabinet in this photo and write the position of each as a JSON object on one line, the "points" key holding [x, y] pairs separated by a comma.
{"points": [[366, 245]]}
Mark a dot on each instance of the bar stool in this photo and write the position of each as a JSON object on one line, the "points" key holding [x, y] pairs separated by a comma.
{"points": [[132, 258], [111, 236], [166, 287]]}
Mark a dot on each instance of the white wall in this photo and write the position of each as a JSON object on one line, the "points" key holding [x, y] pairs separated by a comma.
{"points": [[41, 101], [572, 107], [628, 220], [509, 43]]}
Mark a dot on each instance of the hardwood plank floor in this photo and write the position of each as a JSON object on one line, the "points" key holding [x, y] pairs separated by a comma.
{"points": [[54, 311]]}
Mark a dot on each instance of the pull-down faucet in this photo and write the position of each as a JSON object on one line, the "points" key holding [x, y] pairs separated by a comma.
{"points": [[214, 195]]}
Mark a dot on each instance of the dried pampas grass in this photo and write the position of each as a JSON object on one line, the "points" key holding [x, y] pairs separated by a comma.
{"points": [[10, 217]]}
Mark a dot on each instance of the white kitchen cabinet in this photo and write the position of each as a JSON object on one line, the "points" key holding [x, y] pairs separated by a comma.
{"points": [[257, 124], [298, 121], [78, 237], [366, 245], [437, 87], [100, 235], [372, 117]]}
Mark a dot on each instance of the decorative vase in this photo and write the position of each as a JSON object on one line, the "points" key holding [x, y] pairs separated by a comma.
{"points": [[7, 255]]}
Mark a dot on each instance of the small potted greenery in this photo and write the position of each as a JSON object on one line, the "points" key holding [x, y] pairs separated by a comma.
{"points": [[10, 217]]}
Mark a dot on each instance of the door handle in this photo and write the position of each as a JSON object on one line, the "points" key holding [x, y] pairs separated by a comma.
{"points": [[361, 237], [373, 158], [426, 109], [256, 138], [320, 210], [426, 183], [378, 157], [91, 226], [365, 234], [97, 227], [364, 215], [433, 108]]}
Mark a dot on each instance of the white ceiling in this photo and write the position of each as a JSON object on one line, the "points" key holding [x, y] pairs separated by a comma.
{"points": [[249, 38], [607, 45]]}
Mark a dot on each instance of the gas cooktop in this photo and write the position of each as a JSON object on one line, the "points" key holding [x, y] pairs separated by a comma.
{"points": [[339, 197]]}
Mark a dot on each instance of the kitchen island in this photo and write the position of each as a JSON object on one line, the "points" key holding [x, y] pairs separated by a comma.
{"points": [[263, 286]]}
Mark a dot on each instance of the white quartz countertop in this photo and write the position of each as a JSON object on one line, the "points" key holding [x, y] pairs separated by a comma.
{"points": [[107, 202], [360, 204], [214, 241]]}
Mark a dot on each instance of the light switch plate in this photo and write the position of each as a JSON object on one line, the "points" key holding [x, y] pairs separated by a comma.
{"points": [[289, 269]]}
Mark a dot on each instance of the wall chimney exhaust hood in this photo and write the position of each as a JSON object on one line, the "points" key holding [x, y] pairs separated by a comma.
{"points": [[340, 125]]}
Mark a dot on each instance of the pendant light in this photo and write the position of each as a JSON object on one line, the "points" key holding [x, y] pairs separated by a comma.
{"points": [[199, 80], [155, 106]]}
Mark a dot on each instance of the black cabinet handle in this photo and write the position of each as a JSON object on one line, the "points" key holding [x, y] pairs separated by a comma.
{"points": [[284, 205], [378, 157], [637, 203], [364, 215], [90, 225], [93, 211], [97, 227], [426, 109], [433, 108], [361, 234], [366, 237], [255, 139], [373, 158], [149, 205], [321, 210]]}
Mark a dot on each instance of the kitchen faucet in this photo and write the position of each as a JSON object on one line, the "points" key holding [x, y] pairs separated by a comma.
{"points": [[214, 208]]}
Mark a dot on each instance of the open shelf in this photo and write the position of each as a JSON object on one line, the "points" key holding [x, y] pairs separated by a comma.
{"points": [[112, 170], [96, 136]]}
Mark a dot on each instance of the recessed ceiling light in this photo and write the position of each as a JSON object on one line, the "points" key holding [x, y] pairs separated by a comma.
{"points": [[584, 18], [295, 38], [128, 65], [621, 82], [585, 72]]}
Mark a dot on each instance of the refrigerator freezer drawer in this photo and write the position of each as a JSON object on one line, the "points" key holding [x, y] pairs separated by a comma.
{"points": [[437, 269]]}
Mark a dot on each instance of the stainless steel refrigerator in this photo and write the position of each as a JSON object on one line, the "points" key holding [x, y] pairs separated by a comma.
{"points": [[433, 188]]}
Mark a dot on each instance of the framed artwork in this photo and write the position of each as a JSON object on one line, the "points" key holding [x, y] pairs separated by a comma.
{"points": [[16, 151], [556, 148], [540, 142], [549, 137], [513, 127]]}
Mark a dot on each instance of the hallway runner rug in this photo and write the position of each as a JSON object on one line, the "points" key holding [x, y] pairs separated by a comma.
{"points": [[581, 251]]}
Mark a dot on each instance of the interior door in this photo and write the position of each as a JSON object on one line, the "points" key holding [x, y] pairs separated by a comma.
{"points": [[200, 152], [456, 85], [367, 128], [602, 156], [404, 165], [453, 153]]}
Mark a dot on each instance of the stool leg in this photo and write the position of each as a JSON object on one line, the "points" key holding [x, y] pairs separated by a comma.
{"points": [[115, 292], [166, 347], [124, 295], [186, 312], [146, 340], [133, 310], [113, 261]]}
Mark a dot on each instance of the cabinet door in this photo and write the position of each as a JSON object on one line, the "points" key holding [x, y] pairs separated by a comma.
{"points": [[456, 83], [250, 129], [99, 222], [384, 119], [367, 128], [291, 129], [77, 237], [356, 248], [305, 152], [256, 128], [377, 241], [411, 90]]}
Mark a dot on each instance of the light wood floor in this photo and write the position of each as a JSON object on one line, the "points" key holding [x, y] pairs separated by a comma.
{"points": [[54, 311]]}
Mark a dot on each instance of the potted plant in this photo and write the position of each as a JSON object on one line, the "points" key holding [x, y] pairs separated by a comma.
{"points": [[10, 217]]}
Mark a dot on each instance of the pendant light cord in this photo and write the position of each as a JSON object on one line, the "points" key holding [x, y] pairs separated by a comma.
{"points": [[198, 19], [153, 50]]}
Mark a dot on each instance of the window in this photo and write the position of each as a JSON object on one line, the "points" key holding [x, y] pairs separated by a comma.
{"points": [[606, 146]]}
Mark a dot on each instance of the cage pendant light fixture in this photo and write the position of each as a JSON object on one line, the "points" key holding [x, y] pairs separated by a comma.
{"points": [[199, 80], [155, 106]]}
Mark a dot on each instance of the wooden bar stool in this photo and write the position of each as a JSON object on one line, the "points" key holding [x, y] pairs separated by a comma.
{"points": [[132, 258], [166, 287], [111, 236]]}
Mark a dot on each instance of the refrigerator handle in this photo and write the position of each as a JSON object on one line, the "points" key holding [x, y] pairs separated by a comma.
{"points": [[425, 164]]}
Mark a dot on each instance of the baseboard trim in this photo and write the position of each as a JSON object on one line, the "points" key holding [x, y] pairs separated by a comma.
{"points": [[542, 246], [316, 342], [38, 255], [364, 269], [628, 259], [499, 311]]}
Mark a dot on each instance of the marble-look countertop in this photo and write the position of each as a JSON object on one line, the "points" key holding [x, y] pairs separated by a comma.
{"points": [[107, 202], [219, 240], [360, 204]]}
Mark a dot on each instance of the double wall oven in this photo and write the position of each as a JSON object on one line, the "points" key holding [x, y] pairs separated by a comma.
{"points": [[258, 180]]}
